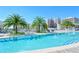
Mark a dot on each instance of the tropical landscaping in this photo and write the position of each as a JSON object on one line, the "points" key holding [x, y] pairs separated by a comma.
{"points": [[67, 24], [39, 24], [16, 22], [17, 25]]}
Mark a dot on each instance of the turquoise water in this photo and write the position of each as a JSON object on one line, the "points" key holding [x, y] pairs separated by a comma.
{"points": [[35, 42]]}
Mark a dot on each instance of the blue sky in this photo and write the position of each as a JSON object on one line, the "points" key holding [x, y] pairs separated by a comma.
{"points": [[30, 12]]}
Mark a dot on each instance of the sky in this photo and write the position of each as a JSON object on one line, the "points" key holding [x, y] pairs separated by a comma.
{"points": [[30, 12]]}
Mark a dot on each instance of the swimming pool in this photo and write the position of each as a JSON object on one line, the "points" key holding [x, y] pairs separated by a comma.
{"points": [[36, 42]]}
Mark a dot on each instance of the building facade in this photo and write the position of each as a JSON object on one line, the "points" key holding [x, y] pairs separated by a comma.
{"points": [[54, 23], [51, 23], [75, 21]]}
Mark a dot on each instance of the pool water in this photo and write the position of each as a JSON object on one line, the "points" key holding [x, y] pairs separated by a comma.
{"points": [[35, 42]]}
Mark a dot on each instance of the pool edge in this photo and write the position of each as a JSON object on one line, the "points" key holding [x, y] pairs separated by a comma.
{"points": [[53, 49]]}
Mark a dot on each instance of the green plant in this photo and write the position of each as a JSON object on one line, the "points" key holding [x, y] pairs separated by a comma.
{"points": [[67, 24], [39, 24], [15, 21]]}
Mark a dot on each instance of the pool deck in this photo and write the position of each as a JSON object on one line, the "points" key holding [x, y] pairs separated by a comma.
{"points": [[5, 35], [72, 48]]}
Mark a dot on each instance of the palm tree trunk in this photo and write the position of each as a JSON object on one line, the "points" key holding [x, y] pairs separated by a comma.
{"points": [[38, 28], [16, 29]]}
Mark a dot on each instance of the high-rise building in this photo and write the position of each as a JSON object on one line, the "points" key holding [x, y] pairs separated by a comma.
{"points": [[54, 23], [58, 23], [51, 23]]}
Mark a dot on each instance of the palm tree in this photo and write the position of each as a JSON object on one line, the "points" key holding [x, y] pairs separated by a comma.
{"points": [[39, 24], [67, 24], [15, 21]]}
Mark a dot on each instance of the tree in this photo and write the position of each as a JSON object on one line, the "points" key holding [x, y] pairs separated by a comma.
{"points": [[39, 24], [15, 21], [67, 24]]}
